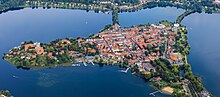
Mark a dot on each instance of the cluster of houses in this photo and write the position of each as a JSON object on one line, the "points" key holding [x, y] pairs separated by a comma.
{"points": [[125, 7], [34, 49], [30, 51], [139, 44]]}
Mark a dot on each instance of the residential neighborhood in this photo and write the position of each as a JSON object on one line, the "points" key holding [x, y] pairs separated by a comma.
{"points": [[139, 44]]}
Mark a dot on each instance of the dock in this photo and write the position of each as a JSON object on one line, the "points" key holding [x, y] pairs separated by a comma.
{"points": [[92, 63], [84, 63], [75, 65], [125, 71], [153, 93]]}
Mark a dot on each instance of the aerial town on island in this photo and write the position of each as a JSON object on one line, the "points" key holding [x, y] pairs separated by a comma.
{"points": [[156, 52], [136, 45]]}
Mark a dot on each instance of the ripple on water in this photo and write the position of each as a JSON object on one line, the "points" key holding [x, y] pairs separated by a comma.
{"points": [[47, 80]]}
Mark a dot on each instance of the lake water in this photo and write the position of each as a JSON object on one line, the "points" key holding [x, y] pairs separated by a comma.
{"points": [[204, 57], [44, 25], [153, 15]]}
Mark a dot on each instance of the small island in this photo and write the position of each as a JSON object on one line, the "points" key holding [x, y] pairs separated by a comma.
{"points": [[155, 52], [5, 94]]}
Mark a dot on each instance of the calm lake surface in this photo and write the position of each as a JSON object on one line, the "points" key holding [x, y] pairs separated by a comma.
{"points": [[44, 25], [204, 57]]}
